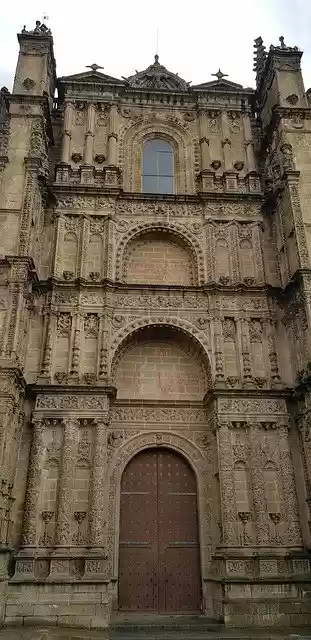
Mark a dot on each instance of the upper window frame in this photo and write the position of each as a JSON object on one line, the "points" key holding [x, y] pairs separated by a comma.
{"points": [[157, 174]]}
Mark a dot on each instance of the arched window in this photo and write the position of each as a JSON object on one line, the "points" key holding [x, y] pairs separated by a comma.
{"points": [[157, 167]]}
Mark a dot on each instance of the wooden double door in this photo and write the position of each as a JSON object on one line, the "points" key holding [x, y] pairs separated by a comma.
{"points": [[159, 563]]}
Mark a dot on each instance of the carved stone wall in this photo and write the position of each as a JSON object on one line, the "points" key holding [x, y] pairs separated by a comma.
{"points": [[132, 320]]}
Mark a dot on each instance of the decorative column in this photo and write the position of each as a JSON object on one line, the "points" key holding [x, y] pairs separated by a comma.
{"points": [[258, 484], [229, 174], [227, 489], [112, 172], [97, 522], [29, 535], [289, 497], [252, 176], [274, 369], [207, 176], [83, 248], [66, 480], [76, 350], [304, 434], [103, 353], [46, 368], [247, 362], [63, 170], [87, 170]]}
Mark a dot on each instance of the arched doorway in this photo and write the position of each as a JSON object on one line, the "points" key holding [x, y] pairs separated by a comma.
{"points": [[159, 560]]}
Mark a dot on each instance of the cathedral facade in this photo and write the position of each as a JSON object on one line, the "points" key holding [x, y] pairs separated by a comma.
{"points": [[155, 323]]}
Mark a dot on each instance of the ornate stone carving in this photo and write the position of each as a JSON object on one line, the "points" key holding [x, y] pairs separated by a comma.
{"points": [[75, 359], [159, 415], [255, 330], [29, 536], [40, 30], [157, 77], [71, 401], [97, 525], [91, 325], [219, 365], [66, 476], [229, 330], [84, 454], [63, 324]]}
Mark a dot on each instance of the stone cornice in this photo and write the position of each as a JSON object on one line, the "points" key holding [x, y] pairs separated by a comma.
{"points": [[76, 190], [265, 394], [64, 389], [105, 285]]}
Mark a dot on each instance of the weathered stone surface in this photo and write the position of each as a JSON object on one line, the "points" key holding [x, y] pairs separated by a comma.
{"points": [[131, 320]]}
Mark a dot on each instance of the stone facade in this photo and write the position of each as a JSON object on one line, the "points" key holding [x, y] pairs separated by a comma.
{"points": [[132, 320]]}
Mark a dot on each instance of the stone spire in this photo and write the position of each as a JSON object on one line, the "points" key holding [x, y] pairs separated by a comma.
{"points": [[260, 57]]}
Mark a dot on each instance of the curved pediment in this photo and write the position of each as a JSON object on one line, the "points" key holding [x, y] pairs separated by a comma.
{"points": [[157, 77]]}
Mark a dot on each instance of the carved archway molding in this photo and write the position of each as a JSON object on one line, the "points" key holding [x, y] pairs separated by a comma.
{"points": [[131, 143], [199, 464], [196, 336], [174, 229]]}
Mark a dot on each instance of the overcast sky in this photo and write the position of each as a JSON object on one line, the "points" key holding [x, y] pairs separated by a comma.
{"points": [[195, 38]]}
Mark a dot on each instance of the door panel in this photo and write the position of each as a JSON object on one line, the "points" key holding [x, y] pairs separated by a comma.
{"points": [[159, 544]]}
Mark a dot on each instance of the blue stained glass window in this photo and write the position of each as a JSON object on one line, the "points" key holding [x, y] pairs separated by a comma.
{"points": [[157, 167]]}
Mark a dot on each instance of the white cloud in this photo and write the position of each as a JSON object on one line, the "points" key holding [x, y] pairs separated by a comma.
{"points": [[195, 39]]}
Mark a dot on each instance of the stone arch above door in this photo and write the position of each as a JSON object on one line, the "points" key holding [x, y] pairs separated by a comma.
{"points": [[159, 549], [198, 462]]}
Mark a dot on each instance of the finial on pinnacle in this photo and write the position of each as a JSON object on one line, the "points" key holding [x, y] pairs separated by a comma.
{"points": [[281, 40], [40, 30], [219, 75], [94, 66], [156, 59]]}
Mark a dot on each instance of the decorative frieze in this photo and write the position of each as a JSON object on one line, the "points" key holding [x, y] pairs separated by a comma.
{"points": [[78, 402]]}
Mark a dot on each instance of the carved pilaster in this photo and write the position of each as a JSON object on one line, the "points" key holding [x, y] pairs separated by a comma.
{"points": [[219, 360], [66, 480], [248, 143], [226, 478], [82, 265], [113, 136], [31, 510], [66, 140], [257, 243], [27, 206], [89, 135], [46, 368], [97, 523], [103, 353], [247, 363], [58, 241], [76, 351], [109, 264], [234, 252], [289, 487], [260, 508], [300, 232], [13, 325], [274, 369]]}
